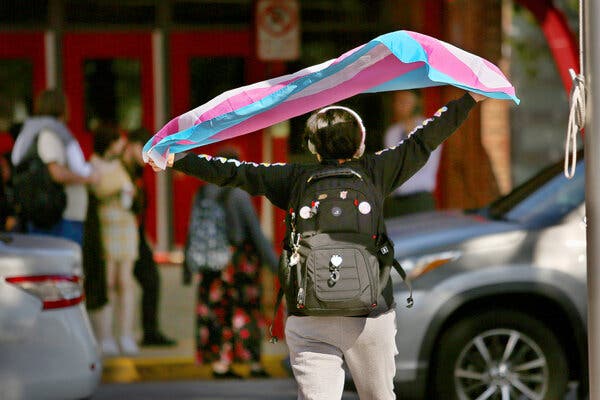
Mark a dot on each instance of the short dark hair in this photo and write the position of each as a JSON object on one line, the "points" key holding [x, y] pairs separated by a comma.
{"points": [[335, 133], [104, 136], [51, 102]]}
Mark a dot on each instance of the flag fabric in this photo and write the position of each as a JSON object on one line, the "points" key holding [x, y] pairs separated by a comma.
{"points": [[393, 61]]}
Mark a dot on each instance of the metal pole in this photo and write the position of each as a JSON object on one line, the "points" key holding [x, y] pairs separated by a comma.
{"points": [[591, 12]]}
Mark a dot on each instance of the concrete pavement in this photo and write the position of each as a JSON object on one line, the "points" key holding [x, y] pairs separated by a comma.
{"points": [[177, 321], [257, 389], [176, 364]]}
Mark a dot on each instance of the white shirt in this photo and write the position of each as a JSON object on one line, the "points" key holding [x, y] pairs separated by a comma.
{"points": [[51, 149], [425, 179]]}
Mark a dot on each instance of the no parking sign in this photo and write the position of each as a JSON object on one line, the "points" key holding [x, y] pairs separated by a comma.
{"points": [[278, 31]]}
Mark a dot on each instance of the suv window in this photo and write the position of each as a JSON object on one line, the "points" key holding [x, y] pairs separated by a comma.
{"points": [[545, 199]]}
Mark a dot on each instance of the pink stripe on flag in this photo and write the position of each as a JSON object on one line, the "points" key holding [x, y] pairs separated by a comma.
{"points": [[241, 100], [388, 68], [170, 128], [441, 59], [248, 97]]}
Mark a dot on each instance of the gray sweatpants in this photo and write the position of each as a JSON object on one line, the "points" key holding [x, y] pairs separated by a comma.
{"points": [[319, 345]]}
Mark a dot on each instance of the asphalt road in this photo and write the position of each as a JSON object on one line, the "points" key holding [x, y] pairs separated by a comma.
{"points": [[255, 389], [271, 389]]}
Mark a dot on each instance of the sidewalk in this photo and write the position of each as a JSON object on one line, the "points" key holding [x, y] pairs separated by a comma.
{"points": [[177, 318]]}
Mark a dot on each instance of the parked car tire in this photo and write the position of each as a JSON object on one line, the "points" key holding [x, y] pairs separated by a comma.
{"points": [[522, 354]]}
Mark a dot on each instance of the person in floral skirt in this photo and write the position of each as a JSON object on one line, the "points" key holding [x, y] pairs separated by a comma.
{"points": [[228, 312]]}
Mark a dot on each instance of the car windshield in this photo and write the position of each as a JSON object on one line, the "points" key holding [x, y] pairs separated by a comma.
{"points": [[544, 199]]}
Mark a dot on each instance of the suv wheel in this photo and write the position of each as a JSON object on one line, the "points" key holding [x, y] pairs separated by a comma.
{"points": [[499, 355]]}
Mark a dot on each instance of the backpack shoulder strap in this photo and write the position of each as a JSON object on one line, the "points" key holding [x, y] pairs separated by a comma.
{"points": [[32, 151], [406, 279]]}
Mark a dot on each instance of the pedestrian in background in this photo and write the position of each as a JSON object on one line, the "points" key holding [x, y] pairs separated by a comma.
{"points": [[417, 193], [9, 221], [228, 312], [119, 239], [145, 269], [94, 269], [62, 154], [320, 345]]}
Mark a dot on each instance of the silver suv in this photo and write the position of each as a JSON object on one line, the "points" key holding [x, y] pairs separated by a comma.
{"points": [[499, 295]]}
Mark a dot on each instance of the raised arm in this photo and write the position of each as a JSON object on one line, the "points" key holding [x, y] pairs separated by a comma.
{"points": [[394, 165]]}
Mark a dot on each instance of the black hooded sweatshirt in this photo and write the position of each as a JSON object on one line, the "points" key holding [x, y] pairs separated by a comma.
{"points": [[387, 169]]}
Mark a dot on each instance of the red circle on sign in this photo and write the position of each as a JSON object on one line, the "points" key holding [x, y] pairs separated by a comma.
{"points": [[278, 19]]}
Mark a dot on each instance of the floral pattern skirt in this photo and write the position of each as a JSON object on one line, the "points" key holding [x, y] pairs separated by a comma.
{"points": [[228, 317]]}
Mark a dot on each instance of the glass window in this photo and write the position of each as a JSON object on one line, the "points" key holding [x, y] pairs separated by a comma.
{"points": [[539, 123], [111, 12], [232, 12], [19, 12], [113, 93], [16, 88], [212, 76], [553, 201], [544, 199], [332, 15]]}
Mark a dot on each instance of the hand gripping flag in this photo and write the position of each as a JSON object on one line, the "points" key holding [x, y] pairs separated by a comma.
{"points": [[394, 61]]}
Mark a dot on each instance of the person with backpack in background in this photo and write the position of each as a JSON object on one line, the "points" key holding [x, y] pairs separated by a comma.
{"points": [[51, 173], [337, 257], [226, 248]]}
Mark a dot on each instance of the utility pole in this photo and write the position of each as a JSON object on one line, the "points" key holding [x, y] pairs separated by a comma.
{"points": [[591, 15]]}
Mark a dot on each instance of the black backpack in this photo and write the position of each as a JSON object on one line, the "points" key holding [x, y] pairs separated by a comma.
{"points": [[336, 257], [38, 197]]}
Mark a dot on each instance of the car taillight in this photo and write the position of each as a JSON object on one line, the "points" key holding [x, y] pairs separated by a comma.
{"points": [[55, 291]]}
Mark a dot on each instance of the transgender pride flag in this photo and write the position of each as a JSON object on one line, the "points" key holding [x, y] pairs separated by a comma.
{"points": [[394, 61]]}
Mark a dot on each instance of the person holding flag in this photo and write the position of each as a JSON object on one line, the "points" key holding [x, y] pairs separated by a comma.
{"points": [[319, 345]]}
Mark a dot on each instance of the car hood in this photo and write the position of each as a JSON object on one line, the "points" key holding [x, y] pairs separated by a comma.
{"points": [[38, 255], [416, 233]]}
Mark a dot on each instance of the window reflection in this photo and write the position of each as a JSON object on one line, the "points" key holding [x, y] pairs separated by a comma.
{"points": [[112, 93], [16, 89], [213, 76]]}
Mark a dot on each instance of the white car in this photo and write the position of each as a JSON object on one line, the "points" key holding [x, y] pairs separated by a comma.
{"points": [[47, 347]]}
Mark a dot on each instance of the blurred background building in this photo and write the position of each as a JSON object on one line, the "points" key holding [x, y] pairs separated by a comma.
{"points": [[141, 62]]}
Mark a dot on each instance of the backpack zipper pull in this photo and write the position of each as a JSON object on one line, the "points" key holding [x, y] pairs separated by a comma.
{"points": [[294, 259], [300, 298]]}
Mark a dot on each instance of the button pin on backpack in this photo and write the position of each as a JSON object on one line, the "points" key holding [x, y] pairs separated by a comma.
{"points": [[364, 207], [336, 260], [305, 212]]}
